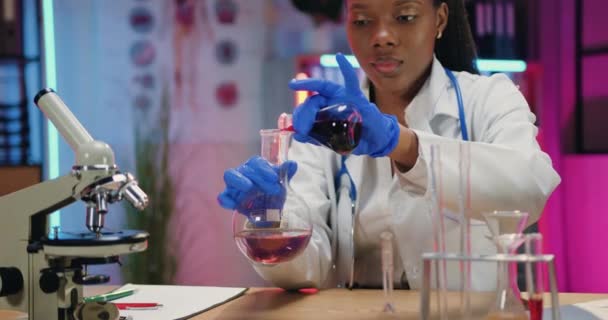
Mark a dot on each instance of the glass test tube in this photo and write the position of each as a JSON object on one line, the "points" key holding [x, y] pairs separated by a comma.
{"points": [[535, 276]]}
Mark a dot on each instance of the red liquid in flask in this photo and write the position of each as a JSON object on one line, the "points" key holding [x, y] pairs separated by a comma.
{"points": [[273, 246], [536, 307], [342, 136], [337, 127]]}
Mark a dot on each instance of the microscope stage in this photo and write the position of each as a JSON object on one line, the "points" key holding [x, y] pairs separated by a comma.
{"points": [[89, 244]]}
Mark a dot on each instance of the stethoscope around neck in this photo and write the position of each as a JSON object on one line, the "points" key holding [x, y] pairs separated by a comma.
{"points": [[353, 189]]}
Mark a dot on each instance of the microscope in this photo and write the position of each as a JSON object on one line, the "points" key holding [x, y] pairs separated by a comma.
{"points": [[42, 271]]}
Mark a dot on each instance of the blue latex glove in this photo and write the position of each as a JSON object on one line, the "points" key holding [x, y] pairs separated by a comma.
{"points": [[255, 186], [380, 132]]}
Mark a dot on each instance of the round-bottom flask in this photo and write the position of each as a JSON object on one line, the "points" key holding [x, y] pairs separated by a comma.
{"points": [[273, 228], [337, 127]]}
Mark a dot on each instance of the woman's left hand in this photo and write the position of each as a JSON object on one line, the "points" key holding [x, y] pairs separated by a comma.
{"points": [[380, 132]]}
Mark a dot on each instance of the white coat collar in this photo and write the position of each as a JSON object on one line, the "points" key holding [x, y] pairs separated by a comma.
{"points": [[425, 105]]}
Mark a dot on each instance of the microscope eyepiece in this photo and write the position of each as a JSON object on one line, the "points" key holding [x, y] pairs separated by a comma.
{"points": [[41, 93]]}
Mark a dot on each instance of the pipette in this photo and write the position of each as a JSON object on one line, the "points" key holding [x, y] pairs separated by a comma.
{"points": [[386, 241]]}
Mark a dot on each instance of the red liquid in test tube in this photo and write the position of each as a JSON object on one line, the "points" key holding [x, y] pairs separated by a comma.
{"points": [[535, 304]]}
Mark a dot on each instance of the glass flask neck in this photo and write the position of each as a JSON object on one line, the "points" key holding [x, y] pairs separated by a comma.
{"points": [[275, 145]]}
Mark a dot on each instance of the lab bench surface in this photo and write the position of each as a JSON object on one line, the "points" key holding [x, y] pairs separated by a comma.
{"points": [[273, 303]]}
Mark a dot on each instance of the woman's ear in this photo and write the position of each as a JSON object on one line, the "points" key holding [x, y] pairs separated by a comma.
{"points": [[443, 13]]}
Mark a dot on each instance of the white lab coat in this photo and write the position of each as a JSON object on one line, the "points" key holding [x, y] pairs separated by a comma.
{"points": [[508, 171]]}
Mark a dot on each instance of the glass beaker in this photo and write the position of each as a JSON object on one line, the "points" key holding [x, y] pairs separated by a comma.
{"points": [[507, 228], [273, 228]]}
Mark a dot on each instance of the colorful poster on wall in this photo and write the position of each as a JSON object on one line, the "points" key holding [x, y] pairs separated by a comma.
{"points": [[206, 107]]}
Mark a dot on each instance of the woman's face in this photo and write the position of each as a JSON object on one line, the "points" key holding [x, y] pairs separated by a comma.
{"points": [[394, 40]]}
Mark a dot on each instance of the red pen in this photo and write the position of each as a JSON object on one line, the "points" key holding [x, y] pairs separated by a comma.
{"points": [[138, 306]]}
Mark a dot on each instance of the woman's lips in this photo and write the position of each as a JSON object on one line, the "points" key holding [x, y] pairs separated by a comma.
{"points": [[386, 66]]}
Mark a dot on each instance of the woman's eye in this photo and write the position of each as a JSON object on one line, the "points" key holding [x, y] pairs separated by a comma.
{"points": [[405, 18], [360, 22]]}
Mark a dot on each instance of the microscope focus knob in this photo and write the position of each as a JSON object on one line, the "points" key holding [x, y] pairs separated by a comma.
{"points": [[49, 281], [11, 281]]}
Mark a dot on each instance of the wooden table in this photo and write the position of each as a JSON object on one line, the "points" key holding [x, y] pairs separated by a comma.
{"points": [[273, 303]]}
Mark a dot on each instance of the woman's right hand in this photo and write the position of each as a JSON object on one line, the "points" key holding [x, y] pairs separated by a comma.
{"points": [[380, 132], [255, 177]]}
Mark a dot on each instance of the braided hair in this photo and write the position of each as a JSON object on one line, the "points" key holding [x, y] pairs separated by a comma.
{"points": [[456, 49]]}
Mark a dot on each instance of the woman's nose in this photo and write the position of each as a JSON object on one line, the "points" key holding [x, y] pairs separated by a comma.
{"points": [[384, 36]]}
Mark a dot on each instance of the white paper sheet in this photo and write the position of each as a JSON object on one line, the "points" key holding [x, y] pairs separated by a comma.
{"points": [[592, 310], [179, 302]]}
